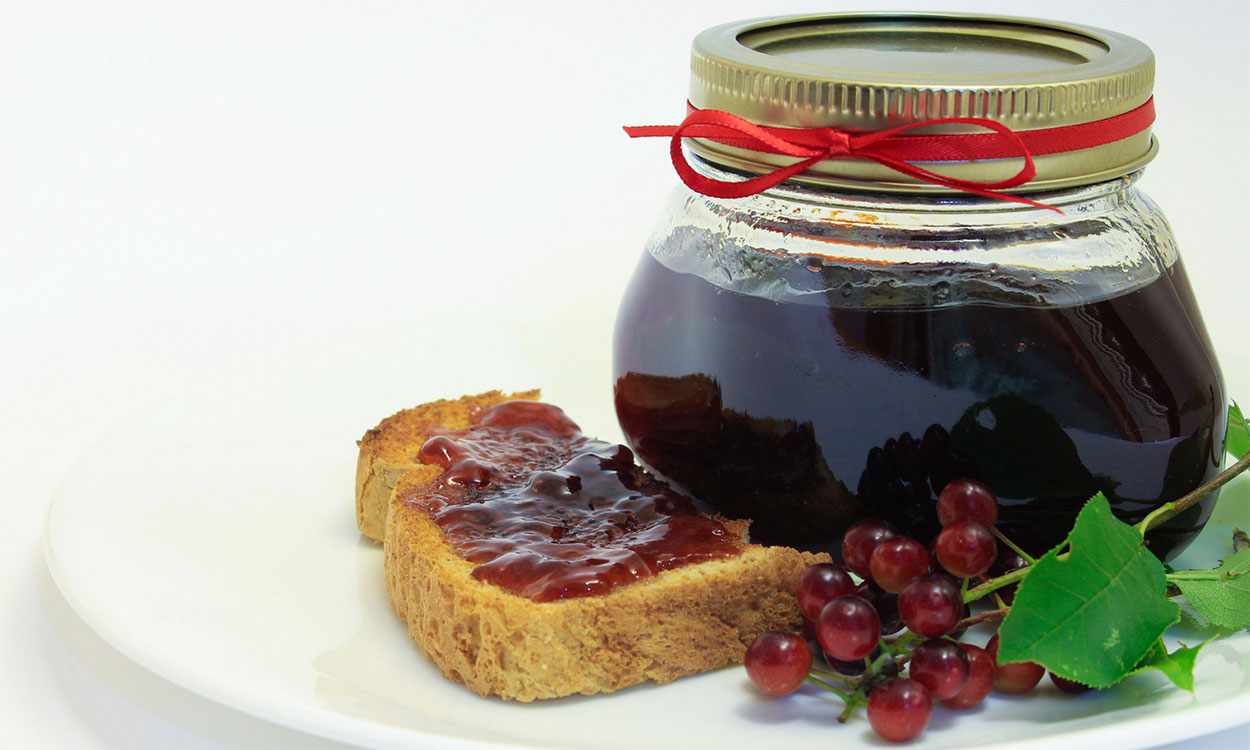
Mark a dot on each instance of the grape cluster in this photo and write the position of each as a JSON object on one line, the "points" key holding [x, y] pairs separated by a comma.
{"points": [[848, 624]]}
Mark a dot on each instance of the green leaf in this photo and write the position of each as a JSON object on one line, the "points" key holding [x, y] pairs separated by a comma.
{"points": [[1221, 596], [1237, 439], [1158, 651], [1177, 666], [1092, 614]]}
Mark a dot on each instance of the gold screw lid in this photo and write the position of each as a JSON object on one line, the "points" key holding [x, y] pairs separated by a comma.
{"points": [[868, 72]]}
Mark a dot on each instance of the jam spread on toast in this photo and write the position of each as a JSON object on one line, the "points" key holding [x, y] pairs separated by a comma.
{"points": [[548, 513]]}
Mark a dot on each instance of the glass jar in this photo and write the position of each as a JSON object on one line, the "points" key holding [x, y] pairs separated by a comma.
{"points": [[843, 343]]}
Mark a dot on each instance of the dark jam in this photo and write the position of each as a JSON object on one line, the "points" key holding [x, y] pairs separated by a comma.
{"points": [[806, 417], [547, 513]]}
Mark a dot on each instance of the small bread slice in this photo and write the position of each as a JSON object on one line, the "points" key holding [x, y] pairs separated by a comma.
{"points": [[390, 449], [677, 622]]}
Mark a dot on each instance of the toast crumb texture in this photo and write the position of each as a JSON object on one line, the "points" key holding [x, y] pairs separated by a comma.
{"points": [[680, 622]]}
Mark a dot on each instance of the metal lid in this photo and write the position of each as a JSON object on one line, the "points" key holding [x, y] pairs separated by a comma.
{"points": [[873, 71]]}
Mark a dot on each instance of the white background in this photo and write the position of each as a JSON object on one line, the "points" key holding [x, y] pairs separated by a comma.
{"points": [[190, 188]]}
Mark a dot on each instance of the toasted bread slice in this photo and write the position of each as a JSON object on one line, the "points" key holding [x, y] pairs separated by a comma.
{"points": [[677, 622], [390, 449]]}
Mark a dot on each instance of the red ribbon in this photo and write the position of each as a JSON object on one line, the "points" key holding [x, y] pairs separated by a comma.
{"points": [[890, 148]]}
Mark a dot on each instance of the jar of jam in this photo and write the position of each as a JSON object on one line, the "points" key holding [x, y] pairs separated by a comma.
{"points": [[910, 248]]}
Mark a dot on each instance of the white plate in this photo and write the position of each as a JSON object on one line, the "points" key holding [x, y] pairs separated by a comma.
{"points": [[213, 541]]}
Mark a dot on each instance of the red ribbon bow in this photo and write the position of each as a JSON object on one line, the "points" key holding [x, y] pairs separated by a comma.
{"points": [[890, 148]]}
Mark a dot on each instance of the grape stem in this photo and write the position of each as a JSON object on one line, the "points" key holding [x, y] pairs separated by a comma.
{"points": [[1003, 538], [976, 592], [812, 679], [831, 676], [986, 616], [1241, 541], [1169, 510], [857, 698], [854, 699], [1200, 575], [899, 645]]}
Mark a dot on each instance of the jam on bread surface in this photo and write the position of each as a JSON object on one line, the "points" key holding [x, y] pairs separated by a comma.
{"points": [[548, 513]]}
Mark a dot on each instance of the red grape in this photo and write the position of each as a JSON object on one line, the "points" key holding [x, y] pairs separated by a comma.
{"points": [[966, 548], [896, 561], [930, 605], [964, 614], [848, 628], [941, 666], [859, 542], [1016, 677], [778, 662], [899, 709], [967, 498], [820, 584], [980, 679], [848, 668], [885, 603], [1068, 686], [855, 667]]}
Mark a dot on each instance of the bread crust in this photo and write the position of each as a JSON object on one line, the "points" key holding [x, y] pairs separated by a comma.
{"points": [[678, 622]]}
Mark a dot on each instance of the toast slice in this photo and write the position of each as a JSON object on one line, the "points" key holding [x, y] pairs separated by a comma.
{"points": [[678, 621]]}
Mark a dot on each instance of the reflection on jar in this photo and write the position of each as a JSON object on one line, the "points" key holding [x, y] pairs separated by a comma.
{"points": [[774, 410]]}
